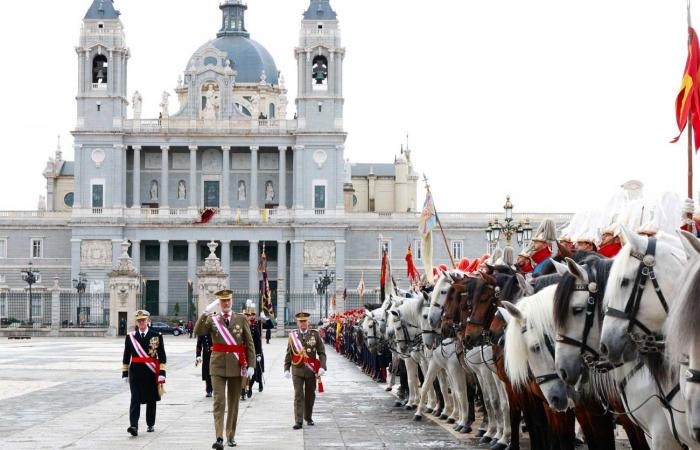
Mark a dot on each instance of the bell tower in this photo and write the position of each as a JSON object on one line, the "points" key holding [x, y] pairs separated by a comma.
{"points": [[102, 69], [320, 65]]}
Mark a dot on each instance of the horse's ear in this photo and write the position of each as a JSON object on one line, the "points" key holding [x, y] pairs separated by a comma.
{"points": [[513, 311], [561, 268], [576, 270], [490, 279], [426, 297], [505, 314], [636, 241], [455, 276], [691, 245]]}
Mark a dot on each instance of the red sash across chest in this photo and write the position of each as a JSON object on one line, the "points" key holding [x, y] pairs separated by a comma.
{"points": [[231, 346], [152, 363]]}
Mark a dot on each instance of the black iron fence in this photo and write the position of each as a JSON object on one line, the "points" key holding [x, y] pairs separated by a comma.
{"points": [[322, 305], [18, 309], [84, 310]]}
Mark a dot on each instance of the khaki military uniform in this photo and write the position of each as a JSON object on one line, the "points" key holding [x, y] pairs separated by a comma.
{"points": [[304, 378], [225, 369]]}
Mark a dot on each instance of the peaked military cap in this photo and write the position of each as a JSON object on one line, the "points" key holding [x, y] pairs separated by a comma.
{"points": [[302, 316], [142, 314], [226, 294]]}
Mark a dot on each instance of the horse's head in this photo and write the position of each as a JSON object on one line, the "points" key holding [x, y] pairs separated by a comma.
{"points": [[437, 299], [484, 303], [636, 310], [530, 347], [427, 331], [370, 329]]}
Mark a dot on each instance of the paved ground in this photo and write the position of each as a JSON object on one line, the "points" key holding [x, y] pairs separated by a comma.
{"points": [[67, 393]]}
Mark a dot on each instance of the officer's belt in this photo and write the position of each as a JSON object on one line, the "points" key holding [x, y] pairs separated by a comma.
{"points": [[238, 349], [155, 361], [314, 363]]}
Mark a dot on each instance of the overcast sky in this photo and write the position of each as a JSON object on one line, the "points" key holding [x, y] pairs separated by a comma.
{"points": [[555, 102]]}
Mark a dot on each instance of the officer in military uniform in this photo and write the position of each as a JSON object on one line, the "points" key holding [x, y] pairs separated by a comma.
{"points": [[204, 345], [306, 358], [144, 369], [232, 359]]}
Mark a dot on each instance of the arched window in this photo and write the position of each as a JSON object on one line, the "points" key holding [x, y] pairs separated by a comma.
{"points": [[319, 71], [271, 111], [99, 69]]}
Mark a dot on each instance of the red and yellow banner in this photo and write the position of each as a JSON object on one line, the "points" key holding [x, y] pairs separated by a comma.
{"points": [[688, 99]]}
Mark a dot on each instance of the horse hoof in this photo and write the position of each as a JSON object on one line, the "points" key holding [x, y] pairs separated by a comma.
{"points": [[437, 413], [480, 433], [484, 440], [417, 418], [466, 429], [451, 420], [408, 407], [398, 404], [498, 446], [457, 428], [429, 410], [443, 416], [388, 389]]}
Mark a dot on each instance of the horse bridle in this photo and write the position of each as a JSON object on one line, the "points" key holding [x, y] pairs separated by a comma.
{"points": [[691, 375], [649, 342], [589, 355], [541, 379]]}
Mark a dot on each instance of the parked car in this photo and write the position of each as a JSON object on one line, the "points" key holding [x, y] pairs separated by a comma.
{"points": [[167, 329]]}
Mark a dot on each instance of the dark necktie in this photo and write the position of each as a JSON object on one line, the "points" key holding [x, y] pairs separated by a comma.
{"points": [[226, 319], [143, 335]]}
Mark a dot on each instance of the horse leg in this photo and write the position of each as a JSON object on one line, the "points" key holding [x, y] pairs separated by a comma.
{"points": [[430, 376], [504, 413], [447, 396], [636, 436], [412, 370], [598, 429], [562, 428]]}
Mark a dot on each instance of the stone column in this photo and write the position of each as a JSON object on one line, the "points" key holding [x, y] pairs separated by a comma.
{"points": [[136, 254], [226, 260], [210, 279], [55, 308], [124, 178], [164, 176], [163, 278], [116, 246], [339, 274], [281, 312], [193, 178], [253, 260], [282, 185], [78, 179], [123, 286], [136, 182], [226, 176], [253, 190], [297, 266], [340, 179], [74, 257], [298, 177], [119, 188], [192, 261]]}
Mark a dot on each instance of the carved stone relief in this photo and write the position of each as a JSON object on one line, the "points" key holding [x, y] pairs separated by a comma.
{"points": [[152, 160], [319, 253], [181, 161], [241, 161], [211, 161], [96, 253], [269, 161]]}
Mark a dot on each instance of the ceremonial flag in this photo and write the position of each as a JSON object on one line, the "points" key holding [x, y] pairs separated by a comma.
{"points": [[265, 296], [382, 277], [361, 286], [688, 99], [413, 275], [428, 218]]}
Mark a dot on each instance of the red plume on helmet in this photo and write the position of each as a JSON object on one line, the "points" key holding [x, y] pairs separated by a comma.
{"points": [[463, 265]]}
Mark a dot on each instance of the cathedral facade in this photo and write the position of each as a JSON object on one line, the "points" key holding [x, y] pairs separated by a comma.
{"points": [[234, 163]]}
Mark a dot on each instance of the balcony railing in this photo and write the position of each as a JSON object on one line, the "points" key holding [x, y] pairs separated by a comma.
{"points": [[180, 124], [99, 86]]}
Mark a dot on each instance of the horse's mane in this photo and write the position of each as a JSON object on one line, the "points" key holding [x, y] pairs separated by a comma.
{"points": [[509, 289], [682, 324], [598, 270], [537, 310], [503, 269]]}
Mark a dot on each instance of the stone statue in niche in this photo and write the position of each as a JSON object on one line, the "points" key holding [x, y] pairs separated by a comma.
{"points": [[165, 105], [241, 191], [269, 192], [211, 104], [154, 190], [181, 190], [136, 101]]}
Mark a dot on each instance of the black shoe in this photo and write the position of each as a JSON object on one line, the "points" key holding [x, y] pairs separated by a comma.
{"points": [[260, 388], [219, 444], [231, 443], [208, 394], [151, 429], [310, 422], [297, 426], [250, 392], [133, 431]]}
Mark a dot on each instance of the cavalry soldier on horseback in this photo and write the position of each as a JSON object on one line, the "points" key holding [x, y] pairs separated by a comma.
{"points": [[306, 358], [541, 252], [610, 244], [586, 243], [566, 242], [232, 360], [144, 369], [523, 263]]}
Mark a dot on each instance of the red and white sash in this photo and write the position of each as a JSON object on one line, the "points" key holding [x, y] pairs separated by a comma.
{"points": [[142, 353], [231, 345], [299, 349]]}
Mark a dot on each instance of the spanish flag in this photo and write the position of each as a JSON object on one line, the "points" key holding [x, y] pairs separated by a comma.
{"points": [[688, 100]]}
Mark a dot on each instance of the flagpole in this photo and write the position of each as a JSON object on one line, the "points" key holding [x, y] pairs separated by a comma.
{"points": [[690, 132], [437, 219]]}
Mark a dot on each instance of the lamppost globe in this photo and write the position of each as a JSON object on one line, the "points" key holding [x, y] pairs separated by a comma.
{"points": [[489, 233], [508, 207], [496, 231], [519, 234]]}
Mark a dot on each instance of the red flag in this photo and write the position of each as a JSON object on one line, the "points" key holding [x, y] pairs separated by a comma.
{"points": [[413, 274], [382, 278], [688, 99]]}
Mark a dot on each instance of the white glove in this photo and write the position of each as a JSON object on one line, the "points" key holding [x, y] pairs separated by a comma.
{"points": [[126, 380], [258, 358], [251, 372], [321, 371], [198, 361], [287, 374], [688, 207], [161, 379], [212, 306]]}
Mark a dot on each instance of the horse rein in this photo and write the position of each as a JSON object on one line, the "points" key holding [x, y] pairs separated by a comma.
{"points": [[541, 379], [649, 342], [589, 355]]}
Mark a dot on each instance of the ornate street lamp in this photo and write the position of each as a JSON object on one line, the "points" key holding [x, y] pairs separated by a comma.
{"points": [[30, 276], [80, 284], [325, 279], [521, 230]]}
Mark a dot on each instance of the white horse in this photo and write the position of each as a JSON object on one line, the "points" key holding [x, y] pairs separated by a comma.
{"points": [[643, 282], [578, 305], [683, 334]]}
